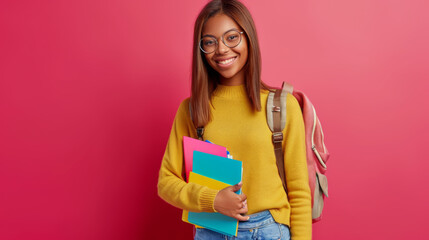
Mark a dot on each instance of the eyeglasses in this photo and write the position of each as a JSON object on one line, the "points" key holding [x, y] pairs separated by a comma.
{"points": [[231, 39]]}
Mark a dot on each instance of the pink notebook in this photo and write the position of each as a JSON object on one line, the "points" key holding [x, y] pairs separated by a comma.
{"points": [[190, 145]]}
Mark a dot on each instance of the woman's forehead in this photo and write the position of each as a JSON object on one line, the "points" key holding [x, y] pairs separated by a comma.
{"points": [[219, 24]]}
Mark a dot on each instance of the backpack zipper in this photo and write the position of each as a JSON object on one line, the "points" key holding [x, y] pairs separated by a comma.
{"points": [[313, 146]]}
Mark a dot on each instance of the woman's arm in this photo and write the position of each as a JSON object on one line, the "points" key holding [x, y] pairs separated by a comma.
{"points": [[171, 185]]}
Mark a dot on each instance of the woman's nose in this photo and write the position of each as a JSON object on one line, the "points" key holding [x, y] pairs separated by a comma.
{"points": [[222, 48]]}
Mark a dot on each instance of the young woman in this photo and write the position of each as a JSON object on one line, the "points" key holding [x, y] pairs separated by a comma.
{"points": [[228, 99]]}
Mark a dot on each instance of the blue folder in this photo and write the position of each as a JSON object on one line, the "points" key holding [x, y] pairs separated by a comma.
{"points": [[222, 169]]}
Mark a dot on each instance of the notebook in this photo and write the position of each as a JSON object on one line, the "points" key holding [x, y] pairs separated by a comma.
{"points": [[215, 172], [191, 144]]}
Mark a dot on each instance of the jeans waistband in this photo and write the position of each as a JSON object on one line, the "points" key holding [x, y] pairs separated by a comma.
{"points": [[256, 220]]}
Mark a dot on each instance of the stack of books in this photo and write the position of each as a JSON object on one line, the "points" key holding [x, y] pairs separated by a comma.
{"points": [[208, 164]]}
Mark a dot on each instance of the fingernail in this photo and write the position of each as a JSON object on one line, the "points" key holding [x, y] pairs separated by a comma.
{"points": [[248, 218], [240, 183]]}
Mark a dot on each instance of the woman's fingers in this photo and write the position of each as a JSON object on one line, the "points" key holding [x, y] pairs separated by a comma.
{"points": [[242, 210], [236, 187], [240, 217], [243, 197], [231, 204]]}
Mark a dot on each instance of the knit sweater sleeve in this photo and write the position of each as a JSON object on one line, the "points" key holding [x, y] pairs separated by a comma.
{"points": [[171, 185], [296, 172]]}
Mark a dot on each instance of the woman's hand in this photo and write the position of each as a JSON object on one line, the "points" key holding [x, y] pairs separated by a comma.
{"points": [[231, 204]]}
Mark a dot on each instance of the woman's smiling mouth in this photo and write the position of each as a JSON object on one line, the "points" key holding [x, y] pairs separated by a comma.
{"points": [[225, 62]]}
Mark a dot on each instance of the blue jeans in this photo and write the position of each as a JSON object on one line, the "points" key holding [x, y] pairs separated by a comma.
{"points": [[260, 226]]}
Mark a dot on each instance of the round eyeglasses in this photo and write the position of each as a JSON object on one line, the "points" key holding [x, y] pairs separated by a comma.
{"points": [[231, 39]]}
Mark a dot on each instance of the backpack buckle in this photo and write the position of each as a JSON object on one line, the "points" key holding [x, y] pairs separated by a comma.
{"points": [[276, 109], [277, 137], [200, 133]]}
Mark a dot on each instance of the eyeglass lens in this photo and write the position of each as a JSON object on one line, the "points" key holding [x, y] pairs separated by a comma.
{"points": [[230, 39]]}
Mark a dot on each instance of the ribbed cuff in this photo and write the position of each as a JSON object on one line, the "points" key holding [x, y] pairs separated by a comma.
{"points": [[207, 199]]}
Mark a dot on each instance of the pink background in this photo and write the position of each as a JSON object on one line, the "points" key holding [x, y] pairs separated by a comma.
{"points": [[89, 89]]}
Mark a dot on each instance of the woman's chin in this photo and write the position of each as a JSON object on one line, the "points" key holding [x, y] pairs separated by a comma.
{"points": [[228, 75], [231, 78]]}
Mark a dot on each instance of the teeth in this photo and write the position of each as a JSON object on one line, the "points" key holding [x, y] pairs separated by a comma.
{"points": [[226, 61]]}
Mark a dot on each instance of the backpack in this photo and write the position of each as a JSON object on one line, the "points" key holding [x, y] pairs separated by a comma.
{"points": [[317, 154]]}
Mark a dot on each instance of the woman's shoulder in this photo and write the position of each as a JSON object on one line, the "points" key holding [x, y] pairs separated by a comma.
{"points": [[183, 116], [185, 102], [292, 101], [293, 110], [184, 105]]}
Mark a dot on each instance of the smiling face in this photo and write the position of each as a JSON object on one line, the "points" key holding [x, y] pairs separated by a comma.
{"points": [[228, 62]]}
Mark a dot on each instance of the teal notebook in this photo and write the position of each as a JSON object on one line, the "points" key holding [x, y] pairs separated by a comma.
{"points": [[222, 169]]}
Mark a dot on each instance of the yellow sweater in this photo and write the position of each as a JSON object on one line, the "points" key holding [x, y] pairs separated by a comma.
{"points": [[247, 137]]}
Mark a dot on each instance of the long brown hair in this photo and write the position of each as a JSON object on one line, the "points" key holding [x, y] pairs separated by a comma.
{"points": [[205, 78]]}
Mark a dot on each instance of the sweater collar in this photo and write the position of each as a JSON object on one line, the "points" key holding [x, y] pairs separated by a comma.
{"points": [[231, 92]]}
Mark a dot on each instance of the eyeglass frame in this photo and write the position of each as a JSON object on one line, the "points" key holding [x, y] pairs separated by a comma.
{"points": [[222, 38]]}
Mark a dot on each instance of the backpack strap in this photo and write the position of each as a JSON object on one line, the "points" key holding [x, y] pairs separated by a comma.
{"points": [[276, 118], [287, 87], [200, 130]]}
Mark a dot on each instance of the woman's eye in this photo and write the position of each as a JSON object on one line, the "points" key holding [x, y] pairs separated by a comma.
{"points": [[208, 43], [232, 38]]}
